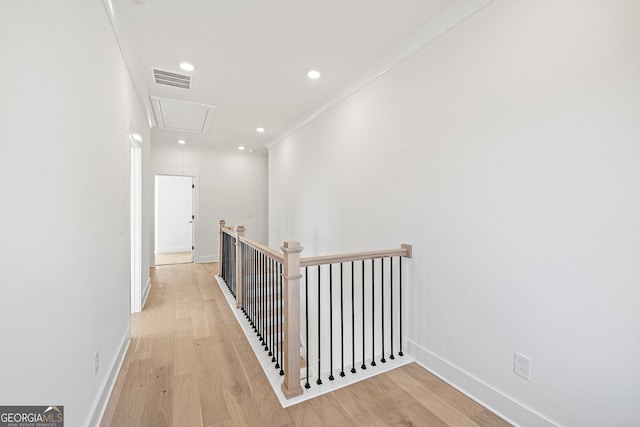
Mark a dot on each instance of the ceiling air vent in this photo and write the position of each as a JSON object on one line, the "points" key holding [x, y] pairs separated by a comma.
{"points": [[169, 78]]}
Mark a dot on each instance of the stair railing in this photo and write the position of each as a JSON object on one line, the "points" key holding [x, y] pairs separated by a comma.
{"points": [[357, 299], [359, 294]]}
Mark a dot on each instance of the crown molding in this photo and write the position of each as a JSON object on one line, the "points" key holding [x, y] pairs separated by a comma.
{"points": [[135, 73], [425, 35]]}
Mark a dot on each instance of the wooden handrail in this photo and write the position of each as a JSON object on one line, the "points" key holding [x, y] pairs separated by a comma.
{"points": [[228, 229], [264, 249], [404, 251]]}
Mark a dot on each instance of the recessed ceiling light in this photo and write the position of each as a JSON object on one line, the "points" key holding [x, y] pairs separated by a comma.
{"points": [[241, 147], [313, 74], [136, 136], [186, 66], [182, 141], [260, 130]]}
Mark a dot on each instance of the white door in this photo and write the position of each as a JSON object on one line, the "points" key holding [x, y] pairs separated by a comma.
{"points": [[174, 215]]}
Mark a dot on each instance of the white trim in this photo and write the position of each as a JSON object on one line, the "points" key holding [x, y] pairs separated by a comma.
{"points": [[206, 258], [145, 292], [178, 172], [130, 61], [173, 250], [432, 30], [156, 105], [497, 402], [100, 403], [135, 223]]}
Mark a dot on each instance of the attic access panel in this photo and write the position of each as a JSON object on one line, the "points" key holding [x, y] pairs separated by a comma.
{"points": [[174, 114]]}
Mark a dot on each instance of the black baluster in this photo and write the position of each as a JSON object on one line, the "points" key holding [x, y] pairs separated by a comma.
{"points": [[391, 356], [319, 381], [244, 272], [278, 326], [267, 313], [265, 302], [259, 316], [224, 255], [225, 261], [274, 326], [353, 324], [245, 280], [373, 315], [244, 295], [364, 365], [282, 322], [254, 284], [400, 353], [306, 320], [258, 295], [245, 288], [342, 317], [277, 312], [330, 323], [383, 360]]}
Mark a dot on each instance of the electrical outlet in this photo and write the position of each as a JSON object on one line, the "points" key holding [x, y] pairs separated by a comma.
{"points": [[96, 362], [522, 365]]}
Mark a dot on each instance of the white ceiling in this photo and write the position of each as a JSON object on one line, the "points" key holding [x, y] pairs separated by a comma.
{"points": [[252, 56]]}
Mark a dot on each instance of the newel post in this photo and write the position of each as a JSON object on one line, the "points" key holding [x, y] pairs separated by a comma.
{"points": [[291, 310], [239, 233], [220, 255]]}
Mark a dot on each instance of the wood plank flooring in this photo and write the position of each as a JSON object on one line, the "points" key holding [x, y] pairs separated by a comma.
{"points": [[174, 258], [189, 365]]}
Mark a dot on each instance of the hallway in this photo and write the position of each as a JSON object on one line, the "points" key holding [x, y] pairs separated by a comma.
{"points": [[189, 364]]}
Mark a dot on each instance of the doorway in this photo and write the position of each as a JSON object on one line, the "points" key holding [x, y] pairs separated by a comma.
{"points": [[174, 219]]}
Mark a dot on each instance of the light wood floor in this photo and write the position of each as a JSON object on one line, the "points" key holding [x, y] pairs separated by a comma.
{"points": [[174, 258], [189, 365]]}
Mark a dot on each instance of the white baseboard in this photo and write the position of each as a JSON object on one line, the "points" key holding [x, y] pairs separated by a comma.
{"points": [[502, 405], [100, 404], [145, 292], [206, 258], [173, 250]]}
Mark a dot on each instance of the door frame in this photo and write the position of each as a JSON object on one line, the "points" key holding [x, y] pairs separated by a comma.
{"points": [[135, 224], [195, 176]]}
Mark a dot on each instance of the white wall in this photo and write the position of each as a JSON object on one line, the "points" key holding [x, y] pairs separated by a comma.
{"points": [[174, 208], [66, 110], [506, 152], [231, 185]]}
